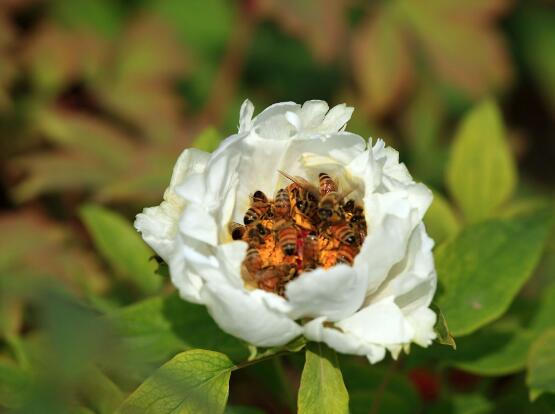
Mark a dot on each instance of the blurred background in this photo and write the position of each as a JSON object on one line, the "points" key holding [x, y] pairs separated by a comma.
{"points": [[99, 97]]}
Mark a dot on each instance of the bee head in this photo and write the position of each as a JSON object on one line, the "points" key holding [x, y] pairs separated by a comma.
{"points": [[349, 205], [289, 250], [324, 213], [237, 233], [259, 196], [263, 231], [350, 239]]}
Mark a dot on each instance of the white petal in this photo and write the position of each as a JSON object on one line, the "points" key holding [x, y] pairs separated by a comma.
{"points": [[198, 224], [312, 114], [187, 282], [341, 342], [335, 293], [158, 225], [422, 321], [272, 124], [379, 323], [337, 118], [245, 116], [246, 316]]}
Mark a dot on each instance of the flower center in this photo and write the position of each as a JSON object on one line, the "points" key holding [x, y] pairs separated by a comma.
{"points": [[304, 227]]}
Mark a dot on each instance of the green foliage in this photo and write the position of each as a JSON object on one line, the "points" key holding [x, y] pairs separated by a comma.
{"points": [[541, 365], [481, 171], [444, 337], [322, 389], [122, 247], [160, 327], [441, 222], [378, 389], [208, 140], [502, 347], [483, 268], [195, 381]]}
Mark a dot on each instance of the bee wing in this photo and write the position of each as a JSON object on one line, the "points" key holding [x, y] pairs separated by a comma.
{"points": [[301, 182]]}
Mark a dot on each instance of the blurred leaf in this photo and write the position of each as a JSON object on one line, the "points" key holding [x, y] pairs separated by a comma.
{"points": [[208, 140], [102, 16], [37, 247], [444, 337], [195, 381], [14, 384], [471, 404], [147, 61], [100, 392], [206, 26], [441, 222], [445, 28], [481, 172], [535, 31], [502, 347], [378, 389], [160, 327], [541, 365], [382, 65], [305, 19], [122, 247], [469, 268], [322, 389]]}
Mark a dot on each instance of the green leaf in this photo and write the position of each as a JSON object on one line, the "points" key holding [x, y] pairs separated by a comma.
{"points": [[208, 140], [122, 247], [481, 172], [195, 381], [502, 348], [157, 328], [14, 384], [541, 365], [444, 337], [483, 268], [441, 222], [322, 389]]}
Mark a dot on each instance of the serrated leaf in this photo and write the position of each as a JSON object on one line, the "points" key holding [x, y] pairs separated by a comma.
{"points": [[541, 365], [322, 389], [379, 46], [484, 267], [195, 381], [122, 247], [160, 327], [481, 172], [444, 337], [441, 222]]}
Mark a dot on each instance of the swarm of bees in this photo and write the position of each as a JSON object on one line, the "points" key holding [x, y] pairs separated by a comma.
{"points": [[305, 226]]}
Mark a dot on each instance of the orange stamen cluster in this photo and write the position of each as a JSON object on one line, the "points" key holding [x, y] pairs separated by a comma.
{"points": [[302, 228]]}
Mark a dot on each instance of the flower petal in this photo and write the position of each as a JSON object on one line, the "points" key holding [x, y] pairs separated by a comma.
{"points": [[334, 293], [158, 225], [379, 323], [341, 342], [246, 316]]}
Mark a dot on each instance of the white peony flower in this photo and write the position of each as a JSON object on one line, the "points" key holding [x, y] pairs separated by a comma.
{"points": [[380, 302]]}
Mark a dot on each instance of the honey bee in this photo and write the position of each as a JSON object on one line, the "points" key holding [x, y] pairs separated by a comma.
{"points": [[286, 236], [252, 263], [330, 209], [255, 234], [346, 254], [305, 194], [259, 208], [273, 278], [310, 252], [359, 221], [237, 231], [327, 185], [282, 204], [343, 232]]}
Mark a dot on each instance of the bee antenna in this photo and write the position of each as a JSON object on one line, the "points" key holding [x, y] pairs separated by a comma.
{"points": [[286, 175]]}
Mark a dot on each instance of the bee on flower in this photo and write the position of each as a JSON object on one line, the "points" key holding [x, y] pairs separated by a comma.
{"points": [[339, 254]]}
